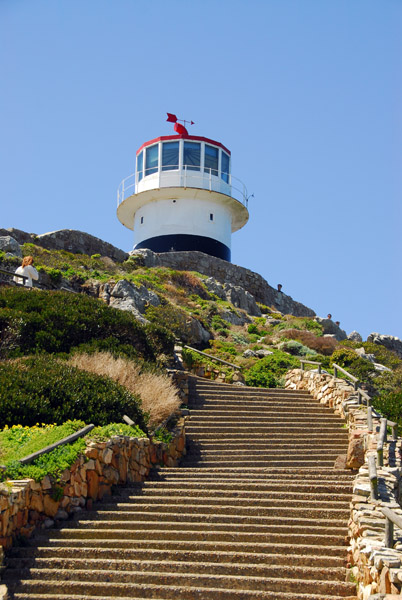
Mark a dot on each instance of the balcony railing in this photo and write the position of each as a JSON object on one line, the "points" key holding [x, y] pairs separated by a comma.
{"points": [[188, 176]]}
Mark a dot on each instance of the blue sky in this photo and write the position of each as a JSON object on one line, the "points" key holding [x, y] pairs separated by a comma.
{"points": [[306, 94]]}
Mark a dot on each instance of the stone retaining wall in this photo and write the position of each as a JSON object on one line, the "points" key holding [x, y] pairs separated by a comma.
{"points": [[27, 504], [377, 569]]}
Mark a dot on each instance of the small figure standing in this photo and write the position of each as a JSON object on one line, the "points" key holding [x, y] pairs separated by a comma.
{"points": [[28, 270], [279, 287], [329, 316]]}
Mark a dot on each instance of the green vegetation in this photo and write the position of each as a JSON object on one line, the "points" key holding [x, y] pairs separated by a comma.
{"points": [[101, 434], [18, 441], [49, 390], [390, 405], [268, 371], [59, 321], [52, 463]]}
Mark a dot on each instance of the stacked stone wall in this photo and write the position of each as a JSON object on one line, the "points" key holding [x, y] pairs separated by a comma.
{"points": [[376, 568], [27, 504]]}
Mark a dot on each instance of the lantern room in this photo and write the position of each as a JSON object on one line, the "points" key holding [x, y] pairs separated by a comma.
{"points": [[183, 197]]}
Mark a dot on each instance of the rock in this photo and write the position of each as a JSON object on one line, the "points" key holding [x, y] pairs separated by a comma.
{"points": [[195, 333], [215, 287], [10, 245], [263, 353], [272, 321], [355, 456], [239, 318], [225, 272], [388, 341], [249, 353], [48, 523], [78, 242], [127, 296], [362, 353], [329, 327], [61, 515], [354, 336], [240, 298]]}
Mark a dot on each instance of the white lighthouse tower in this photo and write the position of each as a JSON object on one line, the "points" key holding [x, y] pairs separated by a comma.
{"points": [[183, 196]]}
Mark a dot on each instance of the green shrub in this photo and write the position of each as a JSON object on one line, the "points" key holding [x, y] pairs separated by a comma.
{"points": [[163, 435], [105, 432], [296, 348], [268, 371], [58, 321], [43, 389], [52, 463], [353, 363], [390, 406], [252, 328]]}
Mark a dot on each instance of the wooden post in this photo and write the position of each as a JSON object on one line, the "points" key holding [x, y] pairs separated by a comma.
{"points": [[389, 533], [373, 477], [370, 419]]}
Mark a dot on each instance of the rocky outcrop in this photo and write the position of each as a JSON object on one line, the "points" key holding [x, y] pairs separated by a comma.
{"points": [[127, 296], [226, 272], [10, 245], [70, 240], [331, 328], [354, 336], [388, 341]]}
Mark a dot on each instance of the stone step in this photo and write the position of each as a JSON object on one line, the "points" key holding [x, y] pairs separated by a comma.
{"points": [[76, 590], [50, 579], [195, 450], [18, 568], [252, 428], [219, 413], [269, 474], [205, 546], [317, 539], [266, 443], [229, 494], [214, 486], [277, 508], [159, 555], [200, 521], [262, 463]]}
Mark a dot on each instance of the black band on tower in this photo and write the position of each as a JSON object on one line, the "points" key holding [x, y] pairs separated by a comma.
{"points": [[181, 242]]}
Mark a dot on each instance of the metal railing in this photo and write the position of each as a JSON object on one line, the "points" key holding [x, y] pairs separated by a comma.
{"points": [[185, 176], [12, 274], [225, 362]]}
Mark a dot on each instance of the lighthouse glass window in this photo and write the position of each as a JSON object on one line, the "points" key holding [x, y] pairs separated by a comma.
{"points": [[151, 160], [140, 165], [170, 156], [192, 156], [225, 167], [211, 160]]}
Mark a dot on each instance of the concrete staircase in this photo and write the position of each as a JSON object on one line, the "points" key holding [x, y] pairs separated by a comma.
{"points": [[256, 511]]}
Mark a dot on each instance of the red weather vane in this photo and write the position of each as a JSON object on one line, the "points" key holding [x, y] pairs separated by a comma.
{"points": [[180, 129]]}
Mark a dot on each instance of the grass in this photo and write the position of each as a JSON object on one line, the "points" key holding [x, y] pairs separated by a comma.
{"points": [[101, 434], [18, 441], [158, 394]]}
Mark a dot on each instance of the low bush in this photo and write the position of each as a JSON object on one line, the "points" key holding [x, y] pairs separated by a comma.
{"points": [[353, 363], [101, 434], [296, 348], [390, 406], [159, 396], [52, 463], [59, 321], [322, 345], [44, 389], [269, 371], [18, 441]]}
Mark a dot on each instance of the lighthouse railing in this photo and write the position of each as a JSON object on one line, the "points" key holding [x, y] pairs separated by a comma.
{"points": [[188, 176]]}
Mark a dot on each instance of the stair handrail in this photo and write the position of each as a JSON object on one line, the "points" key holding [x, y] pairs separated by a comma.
{"points": [[391, 519], [360, 395], [352, 377], [12, 273], [225, 362]]}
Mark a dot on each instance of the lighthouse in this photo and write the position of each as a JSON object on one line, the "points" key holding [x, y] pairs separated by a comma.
{"points": [[183, 195]]}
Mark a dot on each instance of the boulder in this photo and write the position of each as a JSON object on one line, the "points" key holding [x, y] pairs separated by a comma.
{"points": [[388, 341], [249, 353], [10, 245], [331, 328], [354, 336], [239, 318], [126, 296], [262, 353], [215, 287], [240, 298], [195, 333]]}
